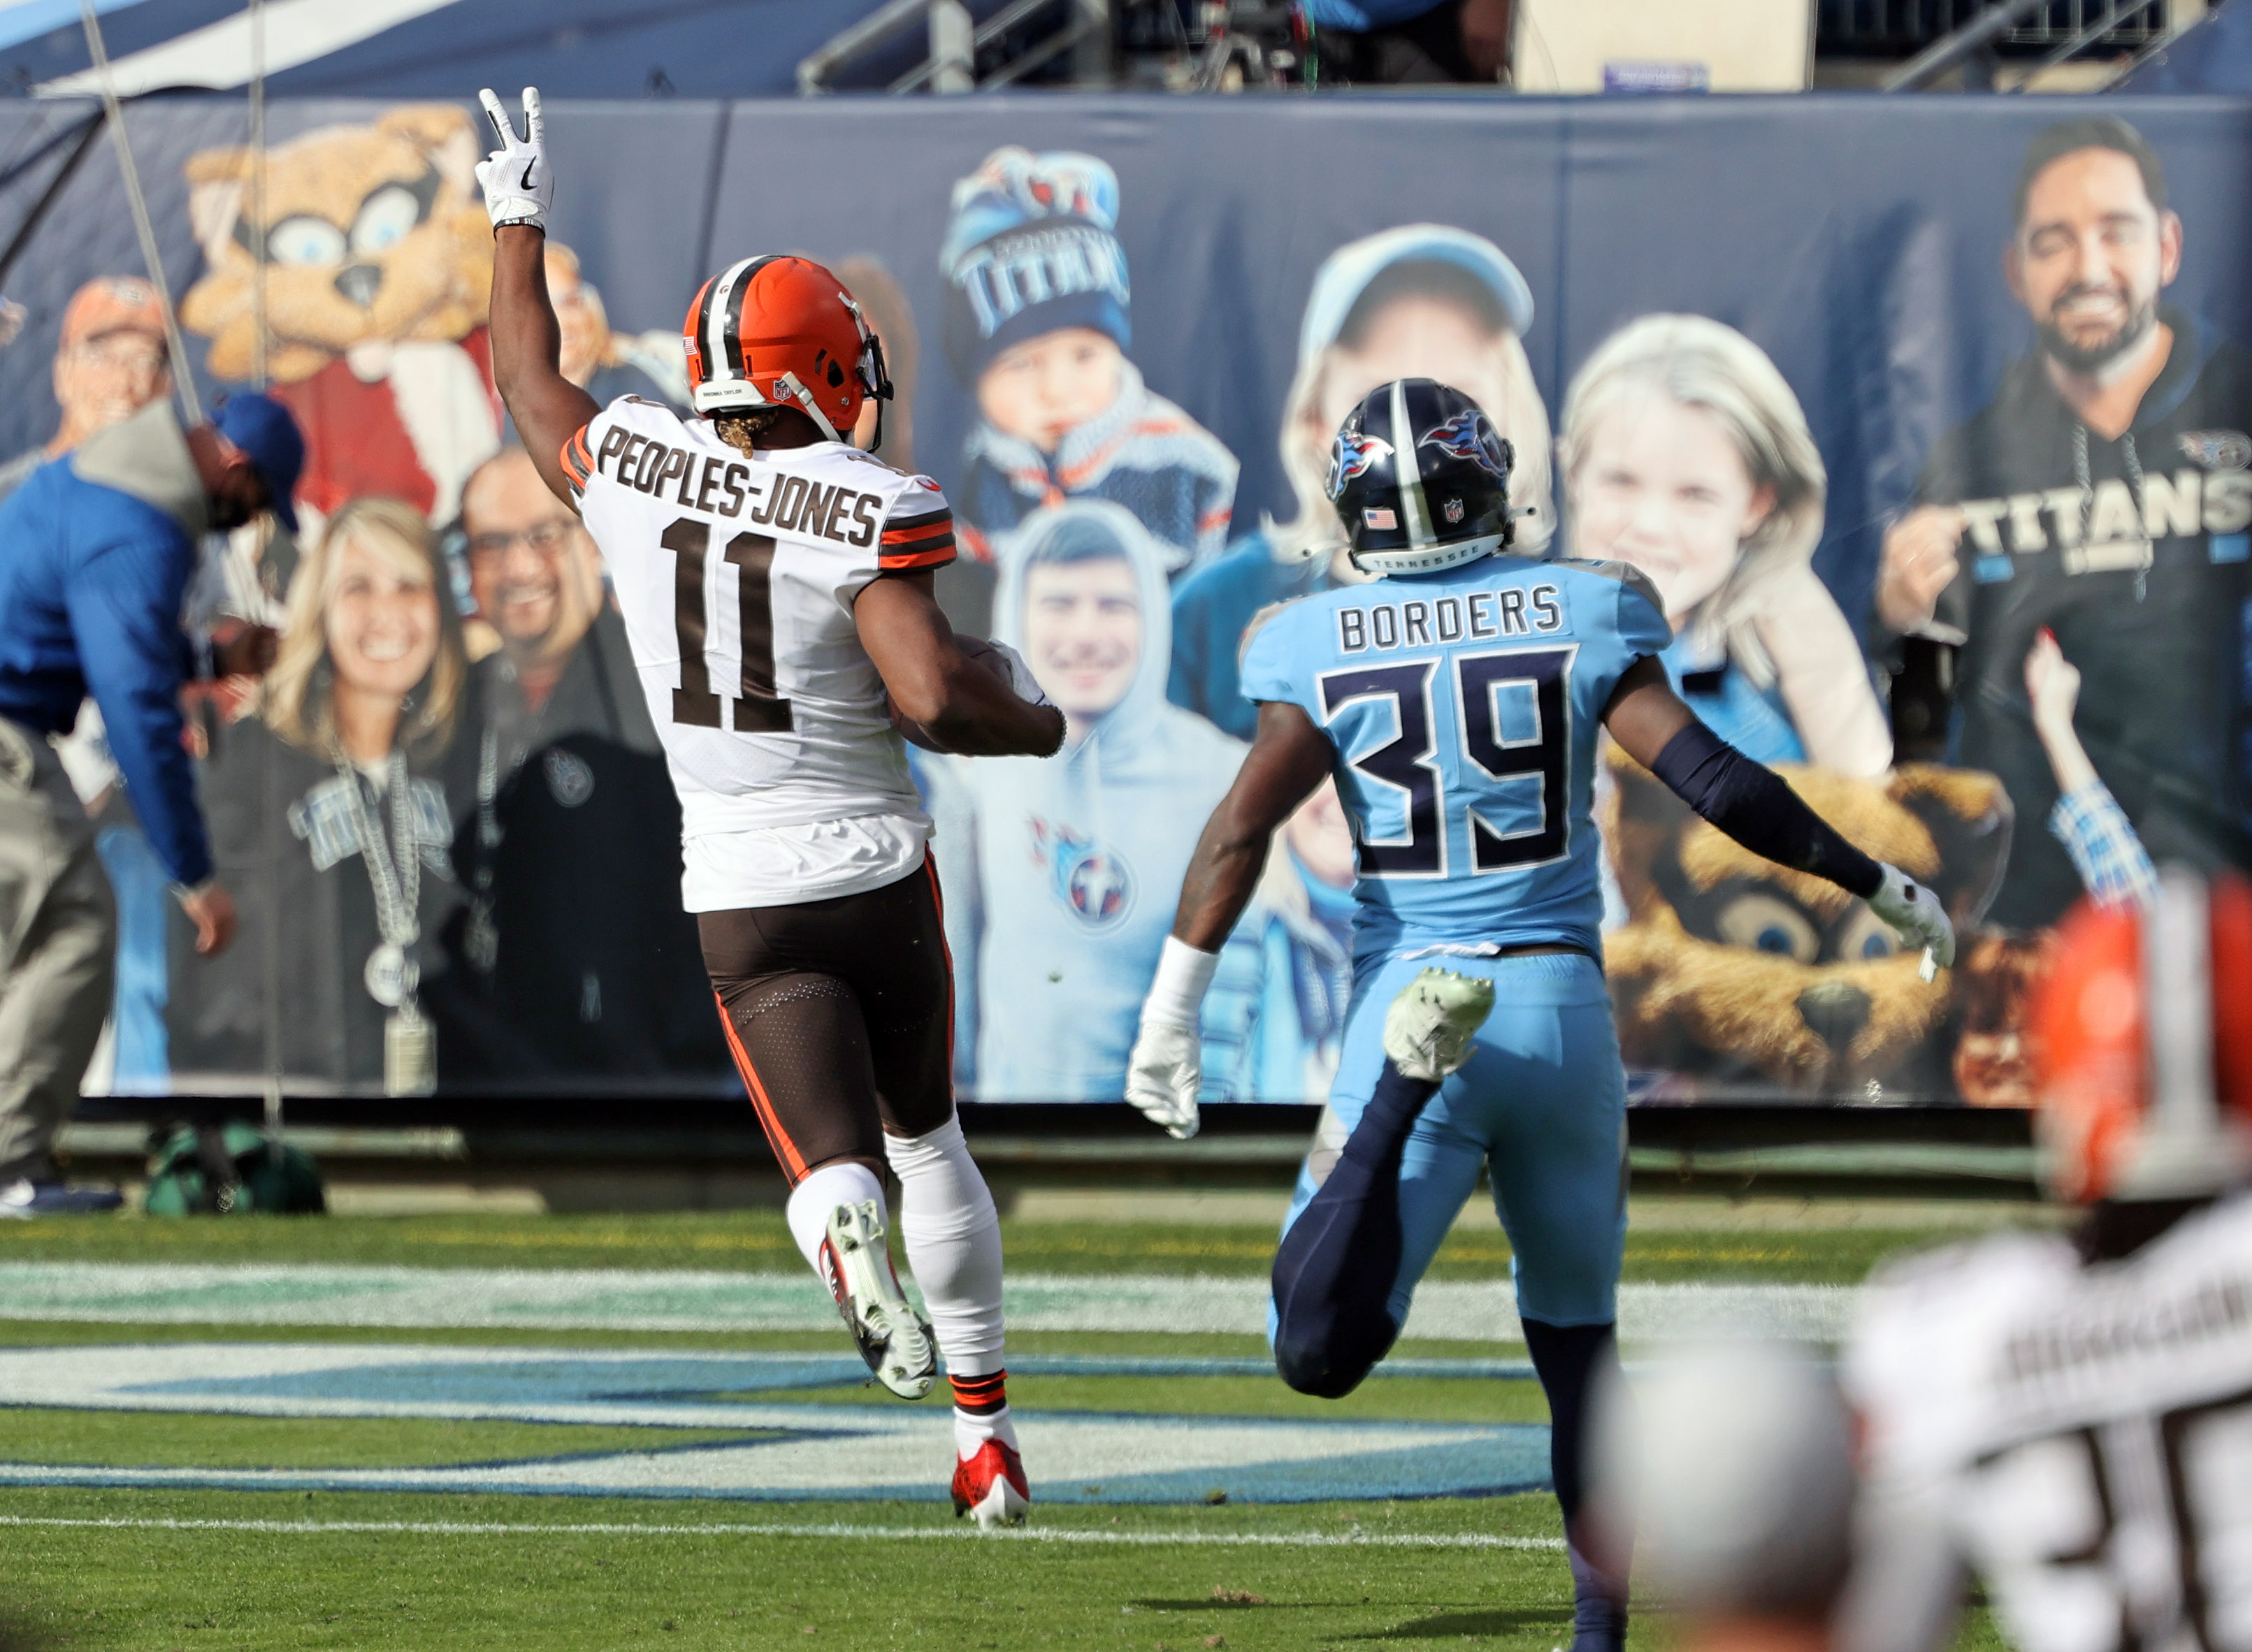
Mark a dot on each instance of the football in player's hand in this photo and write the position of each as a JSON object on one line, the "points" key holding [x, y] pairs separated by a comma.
{"points": [[978, 649]]}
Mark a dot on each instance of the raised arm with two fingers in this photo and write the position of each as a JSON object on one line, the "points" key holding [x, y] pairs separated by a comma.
{"points": [[527, 341]]}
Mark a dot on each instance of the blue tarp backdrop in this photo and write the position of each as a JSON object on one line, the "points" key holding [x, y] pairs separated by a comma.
{"points": [[1858, 242]]}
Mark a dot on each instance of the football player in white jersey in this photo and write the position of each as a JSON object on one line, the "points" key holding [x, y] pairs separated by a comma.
{"points": [[2070, 1417], [775, 583]]}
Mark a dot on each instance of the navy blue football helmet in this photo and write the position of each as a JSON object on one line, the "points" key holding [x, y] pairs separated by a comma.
{"points": [[1421, 479]]}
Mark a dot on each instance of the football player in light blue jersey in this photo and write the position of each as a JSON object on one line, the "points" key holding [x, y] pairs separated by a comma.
{"points": [[1457, 702]]}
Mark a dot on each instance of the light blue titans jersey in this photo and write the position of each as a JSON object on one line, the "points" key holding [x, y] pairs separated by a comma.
{"points": [[1465, 707]]}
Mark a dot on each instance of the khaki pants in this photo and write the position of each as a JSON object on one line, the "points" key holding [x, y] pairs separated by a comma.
{"points": [[58, 946]]}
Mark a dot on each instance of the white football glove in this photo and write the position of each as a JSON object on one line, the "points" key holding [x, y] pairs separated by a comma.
{"points": [[1163, 1074], [1022, 683], [1911, 908], [519, 187]]}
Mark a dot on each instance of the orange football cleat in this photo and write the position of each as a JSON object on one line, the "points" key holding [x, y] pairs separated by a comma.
{"points": [[991, 1486]]}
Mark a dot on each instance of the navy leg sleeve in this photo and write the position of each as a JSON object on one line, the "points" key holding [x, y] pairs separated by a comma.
{"points": [[1336, 1267], [1567, 1359]]}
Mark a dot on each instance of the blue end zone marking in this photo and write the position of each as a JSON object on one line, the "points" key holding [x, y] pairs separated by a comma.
{"points": [[762, 1451], [698, 1379], [1505, 1460]]}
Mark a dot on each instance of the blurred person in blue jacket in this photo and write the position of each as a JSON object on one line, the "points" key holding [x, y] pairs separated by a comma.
{"points": [[1058, 871], [100, 551], [1421, 301], [1038, 320], [109, 364]]}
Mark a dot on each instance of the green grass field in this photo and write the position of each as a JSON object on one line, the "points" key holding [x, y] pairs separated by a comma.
{"points": [[307, 1563]]}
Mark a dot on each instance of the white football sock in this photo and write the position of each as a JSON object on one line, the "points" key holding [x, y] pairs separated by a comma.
{"points": [[952, 1236], [971, 1431], [813, 1201]]}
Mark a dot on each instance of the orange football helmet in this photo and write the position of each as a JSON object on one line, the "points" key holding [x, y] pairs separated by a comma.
{"points": [[2144, 1030], [782, 332]]}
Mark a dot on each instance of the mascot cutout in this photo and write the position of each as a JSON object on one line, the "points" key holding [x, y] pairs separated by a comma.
{"points": [[378, 264], [1732, 970]]}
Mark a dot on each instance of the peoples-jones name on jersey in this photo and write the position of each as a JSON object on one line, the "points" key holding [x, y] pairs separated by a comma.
{"points": [[2151, 1325], [1477, 616], [725, 487]]}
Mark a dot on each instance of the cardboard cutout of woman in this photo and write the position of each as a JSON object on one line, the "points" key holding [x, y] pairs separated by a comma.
{"points": [[324, 813]]}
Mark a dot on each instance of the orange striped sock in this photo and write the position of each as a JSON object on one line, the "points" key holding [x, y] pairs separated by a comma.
{"points": [[981, 1396]]}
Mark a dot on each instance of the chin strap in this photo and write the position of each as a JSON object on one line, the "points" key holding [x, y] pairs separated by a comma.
{"points": [[790, 387]]}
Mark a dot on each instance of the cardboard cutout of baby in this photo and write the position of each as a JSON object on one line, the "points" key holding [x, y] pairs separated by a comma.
{"points": [[1037, 322]]}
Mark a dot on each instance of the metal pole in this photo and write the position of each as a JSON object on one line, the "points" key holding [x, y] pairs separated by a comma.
{"points": [[270, 810], [258, 189], [954, 65], [1090, 59], [1951, 48], [182, 380], [813, 71]]}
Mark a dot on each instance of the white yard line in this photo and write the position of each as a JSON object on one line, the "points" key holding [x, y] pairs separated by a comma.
{"points": [[657, 1301], [834, 1529]]}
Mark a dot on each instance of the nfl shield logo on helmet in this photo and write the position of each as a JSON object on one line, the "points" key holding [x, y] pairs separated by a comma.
{"points": [[1352, 456], [1471, 435], [1452, 510]]}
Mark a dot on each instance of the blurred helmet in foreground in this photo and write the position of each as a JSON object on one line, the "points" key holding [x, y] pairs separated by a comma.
{"points": [[1731, 1465], [2144, 1030]]}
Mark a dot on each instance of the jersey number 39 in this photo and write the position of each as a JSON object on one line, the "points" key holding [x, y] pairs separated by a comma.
{"points": [[1495, 767]]}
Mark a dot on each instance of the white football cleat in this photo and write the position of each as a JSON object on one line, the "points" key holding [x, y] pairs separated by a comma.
{"points": [[893, 1337], [991, 1486], [1430, 1026]]}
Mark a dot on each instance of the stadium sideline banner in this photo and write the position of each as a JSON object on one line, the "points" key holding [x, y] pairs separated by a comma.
{"points": [[1797, 359]]}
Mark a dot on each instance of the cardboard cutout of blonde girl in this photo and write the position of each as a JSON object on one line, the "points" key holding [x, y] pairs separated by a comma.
{"points": [[1684, 453]]}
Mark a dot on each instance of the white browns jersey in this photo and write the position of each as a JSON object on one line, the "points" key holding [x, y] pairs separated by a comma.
{"points": [[2079, 1437], [736, 577]]}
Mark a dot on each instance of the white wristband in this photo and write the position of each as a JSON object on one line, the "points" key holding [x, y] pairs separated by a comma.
{"points": [[1177, 994]]}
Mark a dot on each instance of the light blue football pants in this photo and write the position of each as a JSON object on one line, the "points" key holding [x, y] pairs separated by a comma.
{"points": [[1540, 1106]]}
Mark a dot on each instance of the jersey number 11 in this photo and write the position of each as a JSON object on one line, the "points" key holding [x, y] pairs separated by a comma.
{"points": [[760, 709]]}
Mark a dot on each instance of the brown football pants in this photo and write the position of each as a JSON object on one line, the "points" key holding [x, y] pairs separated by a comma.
{"points": [[840, 1017]]}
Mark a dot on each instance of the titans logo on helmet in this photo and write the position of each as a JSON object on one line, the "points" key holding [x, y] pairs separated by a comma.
{"points": [[1469, 436], [1354, 453]]}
